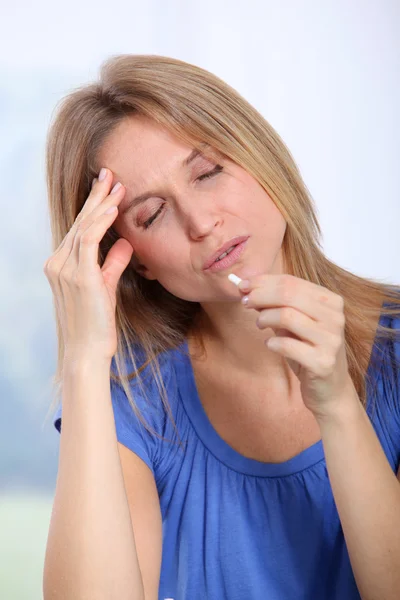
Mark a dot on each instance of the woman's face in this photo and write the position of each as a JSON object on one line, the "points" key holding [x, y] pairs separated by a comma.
{"points": [[187, 216]]}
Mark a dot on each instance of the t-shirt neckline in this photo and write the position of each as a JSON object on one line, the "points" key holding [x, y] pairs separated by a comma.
{"points": [[221, 449]]}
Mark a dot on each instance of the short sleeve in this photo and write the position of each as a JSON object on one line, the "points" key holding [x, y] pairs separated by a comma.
{"points": [[391, 372], [129, 429], [386, 413]]}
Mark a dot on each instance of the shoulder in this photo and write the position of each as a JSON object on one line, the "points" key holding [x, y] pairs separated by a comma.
{"points": [[147, 413], [384, 401], [149, 381]]}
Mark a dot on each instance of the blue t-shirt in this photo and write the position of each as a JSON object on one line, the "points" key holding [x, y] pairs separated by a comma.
{"points": [[235, 528]]}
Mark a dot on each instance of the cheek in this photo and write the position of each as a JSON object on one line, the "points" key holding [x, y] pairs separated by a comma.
{"points": [[149, 248], [265, 211], [273, 217], [159, 253]]}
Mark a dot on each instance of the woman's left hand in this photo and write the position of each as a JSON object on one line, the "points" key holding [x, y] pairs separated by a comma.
{"points": [[309, 323]]}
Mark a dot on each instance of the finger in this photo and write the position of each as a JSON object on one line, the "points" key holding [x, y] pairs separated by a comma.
{"points": [[106, 220], [323, 317], [98, 194], [293, 322], [70, 252], [99, 190], [278, 291], [116, 261], [302, 353], [87, 247], [287, 281]]}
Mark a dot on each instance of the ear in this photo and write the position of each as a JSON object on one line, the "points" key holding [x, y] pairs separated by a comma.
{"points": [[116, 232], [141, 269]]}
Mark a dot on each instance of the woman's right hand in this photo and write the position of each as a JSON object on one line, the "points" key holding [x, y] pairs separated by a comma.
{"points": [[85, 294]]}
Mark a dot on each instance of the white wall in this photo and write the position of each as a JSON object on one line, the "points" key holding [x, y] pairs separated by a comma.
{"points": [[324, 73]]}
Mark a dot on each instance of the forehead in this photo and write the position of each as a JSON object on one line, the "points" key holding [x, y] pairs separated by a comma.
{"points": [[137, 135], [140, 147]]}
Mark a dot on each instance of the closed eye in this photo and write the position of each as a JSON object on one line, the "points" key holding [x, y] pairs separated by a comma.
{"points": [[215, 171]]}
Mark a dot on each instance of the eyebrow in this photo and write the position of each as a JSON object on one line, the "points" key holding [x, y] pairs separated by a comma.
{"points": [[196, 153]]}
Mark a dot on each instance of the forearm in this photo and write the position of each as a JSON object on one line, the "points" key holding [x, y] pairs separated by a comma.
{"points": [[367, 497], [91, 549]]}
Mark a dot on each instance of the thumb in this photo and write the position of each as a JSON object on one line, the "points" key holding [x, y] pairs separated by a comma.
{"points": [[117, 260]]}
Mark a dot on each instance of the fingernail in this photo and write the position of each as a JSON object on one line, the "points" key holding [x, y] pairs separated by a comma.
{"points": [[102, 174], [244, 285], [110, 210], [245, 300], [116, 187]]}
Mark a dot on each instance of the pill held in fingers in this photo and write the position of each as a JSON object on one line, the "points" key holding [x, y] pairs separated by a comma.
{"points": [[234, 278]]}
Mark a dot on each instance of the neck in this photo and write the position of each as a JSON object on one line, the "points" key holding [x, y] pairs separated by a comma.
{"points": [[233, 341]]}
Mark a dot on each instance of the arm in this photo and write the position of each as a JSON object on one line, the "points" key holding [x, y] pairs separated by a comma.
{"points": [[91, 551], [309, 320], [367, 497]]}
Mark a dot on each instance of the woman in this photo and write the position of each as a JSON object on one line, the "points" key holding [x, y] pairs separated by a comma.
{"points": [[217, 441]]}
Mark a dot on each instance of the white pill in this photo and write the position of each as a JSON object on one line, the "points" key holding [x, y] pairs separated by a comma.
{"points": [[234, 278]]}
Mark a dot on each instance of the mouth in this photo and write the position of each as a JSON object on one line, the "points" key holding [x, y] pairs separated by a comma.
{"points": [[227, 254]]}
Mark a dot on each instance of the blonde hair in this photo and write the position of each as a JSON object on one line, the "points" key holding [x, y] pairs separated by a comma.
{"points": [[197, 107]]}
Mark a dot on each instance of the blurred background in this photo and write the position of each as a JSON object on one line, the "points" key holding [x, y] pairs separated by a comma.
{"points": [[324, 74]]}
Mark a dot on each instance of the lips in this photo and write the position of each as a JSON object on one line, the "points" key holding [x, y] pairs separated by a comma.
{"points": [[232, 242]]}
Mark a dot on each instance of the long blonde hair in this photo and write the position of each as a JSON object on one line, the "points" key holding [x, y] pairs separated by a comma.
{"points": [[197, 107]]}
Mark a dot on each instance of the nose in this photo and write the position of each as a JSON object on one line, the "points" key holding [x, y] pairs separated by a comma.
{"points": [[201, 219]]}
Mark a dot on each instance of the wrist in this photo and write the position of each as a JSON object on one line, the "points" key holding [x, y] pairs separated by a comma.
{"points": [[345, 411], [75, 363]]}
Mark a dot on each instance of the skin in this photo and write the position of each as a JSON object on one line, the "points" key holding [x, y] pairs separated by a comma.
{"points": [[197, 218]]}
